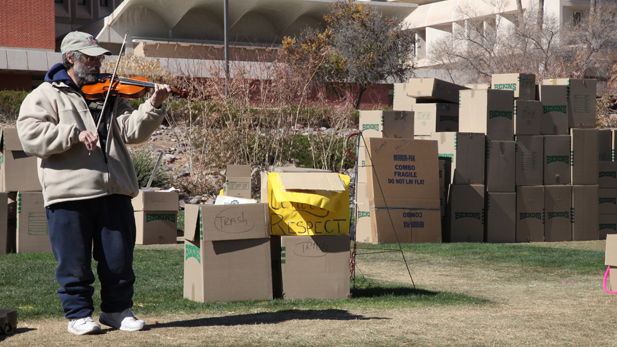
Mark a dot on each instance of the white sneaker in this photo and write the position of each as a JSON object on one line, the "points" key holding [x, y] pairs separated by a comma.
{"points": [[124, 320], [83, 326]]}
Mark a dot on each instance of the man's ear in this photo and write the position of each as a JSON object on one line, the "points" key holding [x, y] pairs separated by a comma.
{"points": [[69, 57]]}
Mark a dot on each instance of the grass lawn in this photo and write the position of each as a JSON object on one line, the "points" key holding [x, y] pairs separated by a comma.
{"points": [[27, 281]]}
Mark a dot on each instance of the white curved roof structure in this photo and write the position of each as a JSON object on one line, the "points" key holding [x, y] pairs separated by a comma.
{"points": [[250, 21]]}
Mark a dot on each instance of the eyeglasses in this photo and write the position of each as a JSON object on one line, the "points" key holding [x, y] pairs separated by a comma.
{"points": [[92, 60]]}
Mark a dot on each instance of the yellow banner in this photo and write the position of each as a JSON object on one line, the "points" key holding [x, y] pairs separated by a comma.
{"points": [[307, 212]]}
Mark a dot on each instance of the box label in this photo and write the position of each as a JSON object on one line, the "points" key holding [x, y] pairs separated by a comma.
{"points": [[557, 159], [551, 215], [505, 86], [555, 108], [502, 114], [191, 251], [171, 217]]}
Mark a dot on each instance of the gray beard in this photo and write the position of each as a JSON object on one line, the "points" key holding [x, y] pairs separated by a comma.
{"points": [[84, 76]]}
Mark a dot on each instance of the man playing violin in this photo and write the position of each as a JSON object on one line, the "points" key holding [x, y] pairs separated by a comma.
{"points": [[88, 181]]}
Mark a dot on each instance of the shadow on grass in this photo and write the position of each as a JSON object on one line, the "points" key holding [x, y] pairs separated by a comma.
{"points": [[376, 291], [16, 332], [265, 318]]}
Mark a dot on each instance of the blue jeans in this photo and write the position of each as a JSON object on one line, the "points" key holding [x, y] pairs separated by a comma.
{"points": [[103, 227]]}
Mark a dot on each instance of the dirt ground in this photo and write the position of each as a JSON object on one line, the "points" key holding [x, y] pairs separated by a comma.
{"points": [[525, 309]]}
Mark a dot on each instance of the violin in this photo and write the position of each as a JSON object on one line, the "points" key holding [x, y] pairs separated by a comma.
{"points": [[128, 88]]}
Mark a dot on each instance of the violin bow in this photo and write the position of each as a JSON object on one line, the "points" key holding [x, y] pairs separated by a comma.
{"points": [[111, 81]]}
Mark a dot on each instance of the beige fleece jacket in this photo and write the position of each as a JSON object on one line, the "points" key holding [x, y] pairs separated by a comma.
{"points": [[48, 126]]}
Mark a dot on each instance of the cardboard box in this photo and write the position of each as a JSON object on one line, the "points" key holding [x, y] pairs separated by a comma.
{"points": [[557, 167], [607, 200], [607, 225], [478, 85], [584, 212], [500, 166], [6, 238], [364, 232], [433, 90], [614, 138], [555, 109], [400, 100], [382, 124], [238, 181], [605, 144], [470, 157], [445, 171], [401, 225], [227, 253], [528, 117], [310, 267], [18, 171], [156, 214], [308, 203], [523, 85], [446, 148], [32, 231], [404, 173], [500, 217], [581, 101], [584, 163], [557, 205], [490, 112], [530, 213], [607, 174], [466, 205], [529, 160], [610, 259], [430, 118]]}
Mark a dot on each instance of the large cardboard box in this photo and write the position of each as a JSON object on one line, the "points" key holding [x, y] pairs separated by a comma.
{"points": [[528, 117], [500, 166], [227, 253], [529, 160], [490, 112], [32, 231], [584, 212], [404, 173], [382, 124], [581, 101], [607, 174], [523, 85], [610, 259], [400, 100], [433, 90], [156, 214], [400, 225], [605, 144], [18, 171], [430, 118], [310, 267], [470, 157], [238, 181], [530, 214], [607, 225], [607, 200], [557, 204], [308, 203], [557, 168], [500, 217], [555, 109], [584, 162], [363, 229], [466, 205]]}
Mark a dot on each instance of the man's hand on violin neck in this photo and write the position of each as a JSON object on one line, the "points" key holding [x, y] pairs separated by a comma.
{"points": [[161, 92]]}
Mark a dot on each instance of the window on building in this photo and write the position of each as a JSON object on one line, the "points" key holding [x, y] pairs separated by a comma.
{"points": [[81, 2], [104, 3], [59, 1], [577, 17]]}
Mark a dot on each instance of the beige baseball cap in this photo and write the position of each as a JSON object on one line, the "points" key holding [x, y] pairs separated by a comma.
{"points": [[82, 42]]}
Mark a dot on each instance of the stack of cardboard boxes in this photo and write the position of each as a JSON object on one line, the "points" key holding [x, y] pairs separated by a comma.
{"points": [[293, 245], [23, 222], [528, 163]]}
